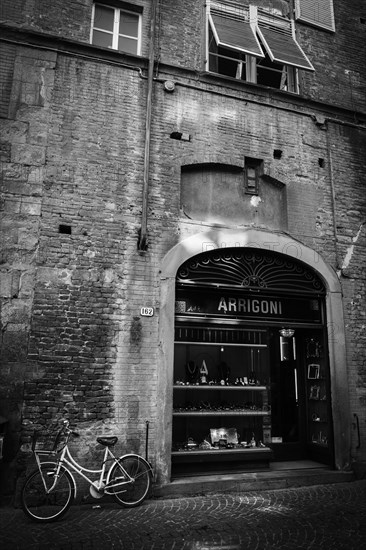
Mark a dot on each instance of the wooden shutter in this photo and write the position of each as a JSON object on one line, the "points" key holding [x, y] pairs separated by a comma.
{"points": [[316, 12], [282, 47], [236, 35]]}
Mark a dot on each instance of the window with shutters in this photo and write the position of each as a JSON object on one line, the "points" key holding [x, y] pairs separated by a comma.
{"points": [[316, 12], [115, 28], [247, 43]]}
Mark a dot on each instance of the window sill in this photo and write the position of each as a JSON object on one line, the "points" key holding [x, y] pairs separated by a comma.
{"points": [[253, 85], [52, 42]]}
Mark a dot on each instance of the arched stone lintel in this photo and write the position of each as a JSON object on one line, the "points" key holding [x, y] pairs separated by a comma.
{"points": [[252, 238]]}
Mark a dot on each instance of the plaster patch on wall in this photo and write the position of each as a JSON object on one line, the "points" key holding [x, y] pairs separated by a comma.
{"points": [[348, 257], [254, 201]]}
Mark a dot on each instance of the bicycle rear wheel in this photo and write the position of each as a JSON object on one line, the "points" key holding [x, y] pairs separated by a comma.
{"points": [[40, 505], [134, 492]]}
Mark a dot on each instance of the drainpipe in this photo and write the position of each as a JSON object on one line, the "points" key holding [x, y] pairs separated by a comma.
{"points": [[333, 195], [143, 241]]}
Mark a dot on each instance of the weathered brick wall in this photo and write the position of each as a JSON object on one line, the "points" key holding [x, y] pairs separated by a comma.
{"points": [[73, 339], [348, 158], [338, 58], [315, 158], [234, 127], [92, 282], [67, 18]]}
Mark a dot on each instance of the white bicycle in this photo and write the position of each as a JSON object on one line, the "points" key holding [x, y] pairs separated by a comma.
{"points": [[48, 492]]}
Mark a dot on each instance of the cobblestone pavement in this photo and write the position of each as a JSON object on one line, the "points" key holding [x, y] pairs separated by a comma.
{"points": [[329, 517]]}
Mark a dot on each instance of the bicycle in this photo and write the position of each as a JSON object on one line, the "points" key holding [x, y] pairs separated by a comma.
{"points": [[48, 491]]}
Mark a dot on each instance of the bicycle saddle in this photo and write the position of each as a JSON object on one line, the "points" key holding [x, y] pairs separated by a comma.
{"points": [[107, 441]]}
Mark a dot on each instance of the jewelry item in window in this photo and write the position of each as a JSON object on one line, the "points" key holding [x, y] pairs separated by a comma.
{"points": [[314, 392], [191, 372], [313, 371], [203, 373], [252, 379], [312, 348], [191, 443], [223, 372], [205, 445]]}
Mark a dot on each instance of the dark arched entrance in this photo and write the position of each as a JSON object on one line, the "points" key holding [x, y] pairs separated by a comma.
{"points": [[251, 375]]}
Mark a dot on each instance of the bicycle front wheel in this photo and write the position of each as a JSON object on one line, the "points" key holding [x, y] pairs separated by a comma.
{"points": [[133, 492], [41, 505]]}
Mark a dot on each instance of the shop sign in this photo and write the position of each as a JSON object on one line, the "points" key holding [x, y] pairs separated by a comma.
{"points": [[249, 307]]}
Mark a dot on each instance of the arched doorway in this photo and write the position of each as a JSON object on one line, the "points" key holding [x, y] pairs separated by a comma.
{"points": [[332, 331], [251, 374]]}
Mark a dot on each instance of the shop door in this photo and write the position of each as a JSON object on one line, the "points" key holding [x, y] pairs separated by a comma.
{"points": [[300, 397]]}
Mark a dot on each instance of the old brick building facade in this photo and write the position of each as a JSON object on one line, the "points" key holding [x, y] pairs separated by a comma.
{"points": [[137, 136]]}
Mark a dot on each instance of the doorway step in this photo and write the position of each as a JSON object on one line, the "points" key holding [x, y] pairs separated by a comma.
{"points": [[281, 475]]}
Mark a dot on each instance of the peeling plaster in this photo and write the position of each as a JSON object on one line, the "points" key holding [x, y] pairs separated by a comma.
{"points": [[348, 257]]}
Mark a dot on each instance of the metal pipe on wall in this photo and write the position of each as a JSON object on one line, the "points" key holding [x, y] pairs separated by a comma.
{"points": [[143, 238]]}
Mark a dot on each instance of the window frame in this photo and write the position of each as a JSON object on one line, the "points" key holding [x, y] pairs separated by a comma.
{"points": [[252, 62], [116, 22], [300, 8]]}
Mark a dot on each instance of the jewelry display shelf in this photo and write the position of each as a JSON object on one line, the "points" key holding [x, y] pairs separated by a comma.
{"points": [[317, 403], [221, 413], [264, 455], [218, 387]]}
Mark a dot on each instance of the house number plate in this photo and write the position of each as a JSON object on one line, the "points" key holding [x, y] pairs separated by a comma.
{"points": [[147, 311]]}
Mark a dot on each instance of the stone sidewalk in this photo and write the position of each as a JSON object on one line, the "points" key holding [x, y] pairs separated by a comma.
{"points": [[321, 517]]}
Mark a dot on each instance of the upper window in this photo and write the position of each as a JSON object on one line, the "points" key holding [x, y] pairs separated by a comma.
{"points": [[250, 44], [116, 28], [316, 12]]}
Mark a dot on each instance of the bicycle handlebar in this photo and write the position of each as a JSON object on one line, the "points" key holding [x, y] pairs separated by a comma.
{"points": [[67, 430]]}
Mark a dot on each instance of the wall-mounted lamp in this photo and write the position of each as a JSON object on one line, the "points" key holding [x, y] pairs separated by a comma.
{"points": [[287, 332]]}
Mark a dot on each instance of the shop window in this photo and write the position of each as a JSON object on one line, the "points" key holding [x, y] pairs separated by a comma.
{"points": [[116, 28], [249, 44], [316, 12]]}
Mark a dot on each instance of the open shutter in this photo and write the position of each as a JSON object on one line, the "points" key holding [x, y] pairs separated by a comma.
{"points": [[235, 34], [316, 12], [277, 35]]}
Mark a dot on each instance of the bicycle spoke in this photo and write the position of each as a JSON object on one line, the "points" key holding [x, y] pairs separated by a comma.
{"points": [[133, 492], [41, 505]]}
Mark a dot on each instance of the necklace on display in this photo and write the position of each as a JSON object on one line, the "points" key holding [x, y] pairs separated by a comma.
{"points": [[191, 371]]}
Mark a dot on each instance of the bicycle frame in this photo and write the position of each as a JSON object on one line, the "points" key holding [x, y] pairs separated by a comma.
{"points": [[66, 460]]}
